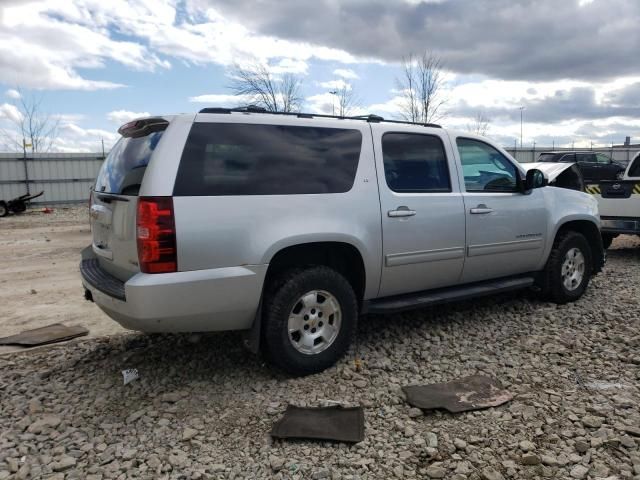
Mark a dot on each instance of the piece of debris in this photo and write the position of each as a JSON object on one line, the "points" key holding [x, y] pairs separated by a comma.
{"points": [[130, 375], [470, 393], [335, 423], [45, 335]]}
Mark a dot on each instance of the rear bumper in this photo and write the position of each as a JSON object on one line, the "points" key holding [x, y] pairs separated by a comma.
{"points": [[620, 225], [196, 301]]}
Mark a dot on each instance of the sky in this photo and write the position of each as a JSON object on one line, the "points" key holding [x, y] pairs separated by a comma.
{"points": [[95, 64]]}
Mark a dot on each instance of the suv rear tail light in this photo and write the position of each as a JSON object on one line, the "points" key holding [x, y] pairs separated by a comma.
{"points": [[156, 235]]}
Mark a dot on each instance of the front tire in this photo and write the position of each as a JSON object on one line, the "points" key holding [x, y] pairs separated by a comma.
{"points": [[4, 211], [309, 320], [569, 268]]}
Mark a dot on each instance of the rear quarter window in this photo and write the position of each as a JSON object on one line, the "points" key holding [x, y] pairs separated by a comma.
{"points": [[249, 159]]}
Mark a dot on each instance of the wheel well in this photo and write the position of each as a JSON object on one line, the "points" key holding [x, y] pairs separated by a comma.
{"points": [[342, 257], [593, 236]]}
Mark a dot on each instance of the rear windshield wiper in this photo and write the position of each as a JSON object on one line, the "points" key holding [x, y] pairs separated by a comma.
{"points": [[110, 197]]}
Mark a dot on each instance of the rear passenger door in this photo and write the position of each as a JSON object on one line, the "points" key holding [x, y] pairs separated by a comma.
{"points": [[423, 224]]}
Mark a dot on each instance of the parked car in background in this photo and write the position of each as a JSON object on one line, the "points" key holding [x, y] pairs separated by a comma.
{"points": [[619, 202], [290, 226], [594, 166]]}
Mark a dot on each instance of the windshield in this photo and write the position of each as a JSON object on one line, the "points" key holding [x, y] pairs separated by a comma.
{"points": [[547, 157], [634, 169], [123, 170]]}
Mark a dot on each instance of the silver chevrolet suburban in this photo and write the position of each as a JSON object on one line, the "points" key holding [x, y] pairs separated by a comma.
{"points": [[291, 226]]}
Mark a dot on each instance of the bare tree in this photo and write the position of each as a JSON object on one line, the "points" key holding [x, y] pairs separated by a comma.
{"points": [[264, 89], [480, 124], [348, 100], [422, 88], [31, 125]]}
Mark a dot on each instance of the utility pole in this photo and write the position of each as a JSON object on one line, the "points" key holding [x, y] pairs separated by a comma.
{"points": [[102, 141], [553, 144], [521, 109], [24, 158]]}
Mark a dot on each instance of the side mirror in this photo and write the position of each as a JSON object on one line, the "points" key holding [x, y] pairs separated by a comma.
{"points": [[535, 179]]}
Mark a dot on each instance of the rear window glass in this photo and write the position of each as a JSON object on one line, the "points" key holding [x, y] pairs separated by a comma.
{"points": [[247, 159], [123, 170]]}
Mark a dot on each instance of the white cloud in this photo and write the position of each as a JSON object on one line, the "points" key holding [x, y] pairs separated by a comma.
{"points": [[73, 138], [328, 104], [70, 136], [389, 109], [38, 50], [335, 84], [221, 99], [123, 116], [45, 43], [289, 65], [10, 112], [13, 94], [346, 73]]}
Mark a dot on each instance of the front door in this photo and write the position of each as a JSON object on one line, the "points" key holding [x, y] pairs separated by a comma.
{"points": [[422, 210], [506, 229], [610, 169]]}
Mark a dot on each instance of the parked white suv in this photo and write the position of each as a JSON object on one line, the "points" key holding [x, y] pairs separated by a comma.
{"points": [[291, 226], [619, 203]]}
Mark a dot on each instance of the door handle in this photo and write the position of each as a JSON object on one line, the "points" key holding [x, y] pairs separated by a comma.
{"points": [[401, 212], [481, 209]]}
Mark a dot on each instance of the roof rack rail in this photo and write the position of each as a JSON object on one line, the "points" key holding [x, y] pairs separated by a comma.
{"points": [[371, 118]]}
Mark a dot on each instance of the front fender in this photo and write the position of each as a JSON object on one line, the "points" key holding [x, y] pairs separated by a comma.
{"points": [[564, 207]]}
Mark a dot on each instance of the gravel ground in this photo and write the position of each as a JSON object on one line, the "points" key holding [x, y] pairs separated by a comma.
{"points": [[203, 407]]}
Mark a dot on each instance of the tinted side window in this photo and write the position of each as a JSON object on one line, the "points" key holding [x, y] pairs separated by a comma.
{"points": [[415, 163], [124, 167], [247, 159], [485, 168], [603, 159], [586, 158]]}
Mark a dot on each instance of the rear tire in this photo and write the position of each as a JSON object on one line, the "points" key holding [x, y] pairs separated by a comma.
{"points": [[569, 268], [310, 316], [607, 239]]}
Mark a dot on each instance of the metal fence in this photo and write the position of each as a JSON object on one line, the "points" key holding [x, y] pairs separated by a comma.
{"points": [[527, 155], [64, 177]]}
